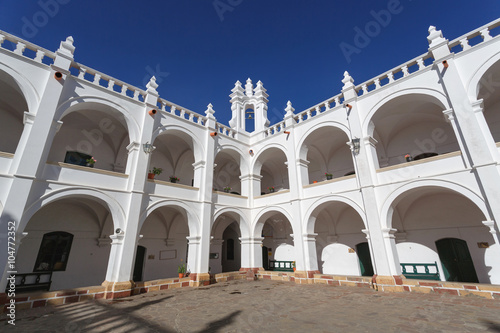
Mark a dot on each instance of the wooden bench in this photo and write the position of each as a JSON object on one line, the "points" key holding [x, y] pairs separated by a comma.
{"points": [[37, 281], [420, 274], [282, 266]]}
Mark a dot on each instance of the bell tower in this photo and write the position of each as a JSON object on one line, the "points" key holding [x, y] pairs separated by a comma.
{"points": [[249, 105]]}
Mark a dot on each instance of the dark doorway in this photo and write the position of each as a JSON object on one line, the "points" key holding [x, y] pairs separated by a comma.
{"points": [[365, 260], [139, 263], [456, 260], [265, 258]]}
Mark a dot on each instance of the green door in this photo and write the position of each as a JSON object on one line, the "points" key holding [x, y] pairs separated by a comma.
{"points": [[365, 260], [456, 260], [265, 258], [139, 263]]}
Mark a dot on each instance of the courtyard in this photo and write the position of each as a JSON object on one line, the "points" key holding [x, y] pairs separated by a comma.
{"points": [[266, 306]]}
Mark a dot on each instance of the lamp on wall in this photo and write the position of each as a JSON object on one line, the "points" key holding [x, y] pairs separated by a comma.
{"points": [[148, 148], [355, 146]]}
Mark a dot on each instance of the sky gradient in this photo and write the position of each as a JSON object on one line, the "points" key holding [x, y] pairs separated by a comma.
{"points": [[199, 49]]}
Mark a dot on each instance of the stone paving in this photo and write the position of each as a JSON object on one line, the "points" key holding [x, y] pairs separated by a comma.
{"points": [[266, 306]]}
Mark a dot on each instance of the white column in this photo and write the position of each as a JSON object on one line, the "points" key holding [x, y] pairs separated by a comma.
{"points": [[251, 252], [451, 118], [193, 264], [311, 258]]}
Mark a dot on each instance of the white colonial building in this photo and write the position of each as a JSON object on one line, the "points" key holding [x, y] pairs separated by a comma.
{"points": [[108, 223]]}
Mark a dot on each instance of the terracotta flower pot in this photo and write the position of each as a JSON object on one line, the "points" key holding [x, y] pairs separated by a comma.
{"points": [[151, 175], [181, 275]]}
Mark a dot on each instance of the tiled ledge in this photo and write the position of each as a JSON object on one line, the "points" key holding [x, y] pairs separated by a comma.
{"points": [[333, 180], [424, 160], [163, 182], [7, 155], [88, 169]]}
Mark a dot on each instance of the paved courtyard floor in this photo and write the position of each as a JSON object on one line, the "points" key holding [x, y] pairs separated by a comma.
{"points": [[266, 306]]}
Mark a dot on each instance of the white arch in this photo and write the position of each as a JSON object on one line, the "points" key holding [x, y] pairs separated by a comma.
{"points": [[69, 106], [329, 123], [186, 210], [309, 225], [116, 210], [27, 88], [388, 205], [258, 164], [242, 222], [264, 214], [228, 146], [433, 93], [472, 84], [198, 148]]}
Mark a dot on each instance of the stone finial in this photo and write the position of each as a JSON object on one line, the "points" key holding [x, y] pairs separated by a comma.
{"points": [[152, 85], [210, 111], [347, 81], [435, 37], [260, 91], [66, 47], [238, 89], [289, 109], [249, 88]]}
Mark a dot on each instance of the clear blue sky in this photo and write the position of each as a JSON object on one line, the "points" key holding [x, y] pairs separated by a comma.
{"points": [[199, 49]]}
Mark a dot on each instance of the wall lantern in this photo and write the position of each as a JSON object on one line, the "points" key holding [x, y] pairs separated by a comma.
{"points": [[148, 148], [355, 146]]}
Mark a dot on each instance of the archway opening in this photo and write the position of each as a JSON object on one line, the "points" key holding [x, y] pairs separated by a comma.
{"points": [[79, 263], [12, 107], [278, 243], [95, 131], [411, 125], [328, 154], [273, 170], [339, 227], [488, 91], [424, 216], [163, 235], [174, 154], [227, 172]]}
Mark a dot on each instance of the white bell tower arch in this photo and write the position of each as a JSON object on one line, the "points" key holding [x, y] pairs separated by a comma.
{"points": [[249, 98]]}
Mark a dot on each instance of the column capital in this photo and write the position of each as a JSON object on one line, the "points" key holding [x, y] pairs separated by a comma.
{"points": [[302, 163], [309, 237], [251, 240], [117, 239], [490, 224], [369, 140], [199, 164], [366, 232], [28, 118], [449, 115], [478, 106], [251, 177], [193, 239], [133, 146], [389, 232]]}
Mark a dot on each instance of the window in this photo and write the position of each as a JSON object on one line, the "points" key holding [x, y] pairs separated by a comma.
{"points": [[54, 252], [77, 158]]}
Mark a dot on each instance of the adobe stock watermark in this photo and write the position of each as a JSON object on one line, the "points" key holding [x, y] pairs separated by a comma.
{"points": [[372, 29], [49, 9], [223, 6], [156, 72]]}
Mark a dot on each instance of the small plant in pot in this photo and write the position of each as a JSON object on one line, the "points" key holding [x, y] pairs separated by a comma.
{"points": [[90, 162], [181, 270], [328, 176], [174, 179], [271, 189], [227, 189], [408, 158], [293, 265], [153, 172]]}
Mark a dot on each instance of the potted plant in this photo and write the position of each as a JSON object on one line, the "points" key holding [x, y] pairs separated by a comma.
{"points": [[271, 189], [90, 162], [227, 189], [293, 265], [174, 179], [328, 176], [408, 158], [155, 171], [181, 270]]}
